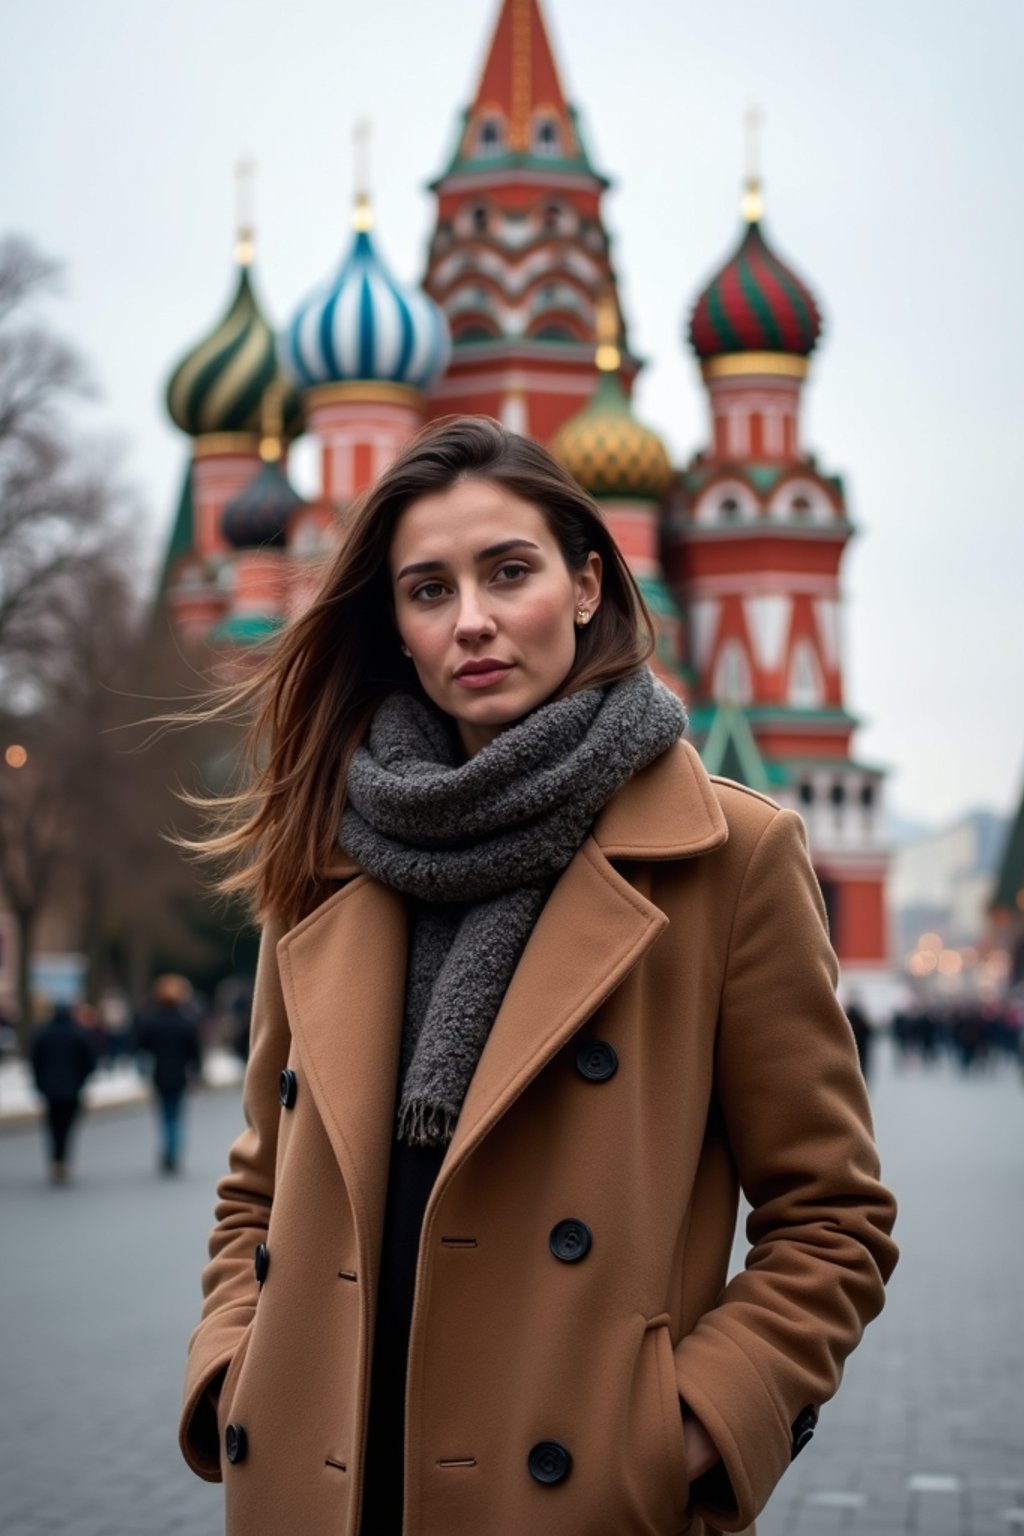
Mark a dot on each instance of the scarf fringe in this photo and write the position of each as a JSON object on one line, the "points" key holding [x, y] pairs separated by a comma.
{"points": [[422, 1124]]}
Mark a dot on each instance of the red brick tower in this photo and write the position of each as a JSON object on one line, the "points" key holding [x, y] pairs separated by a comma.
{"points": [[754, 560], [519, 253]]}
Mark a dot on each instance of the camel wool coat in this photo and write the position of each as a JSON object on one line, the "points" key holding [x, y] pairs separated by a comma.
{"points": [[670, 1037]]}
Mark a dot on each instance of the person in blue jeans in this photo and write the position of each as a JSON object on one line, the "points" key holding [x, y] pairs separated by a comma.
{"points": [[168, 1035]]}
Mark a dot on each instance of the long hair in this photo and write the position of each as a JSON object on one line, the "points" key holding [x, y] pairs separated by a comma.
{"points": [[310, 703]]}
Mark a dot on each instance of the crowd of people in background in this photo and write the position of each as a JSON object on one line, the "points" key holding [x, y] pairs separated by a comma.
{"points": [[168, 1036], [976, 1035]]}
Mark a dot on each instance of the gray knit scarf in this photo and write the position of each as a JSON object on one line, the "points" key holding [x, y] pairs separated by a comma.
{"points": [[477, 846]]}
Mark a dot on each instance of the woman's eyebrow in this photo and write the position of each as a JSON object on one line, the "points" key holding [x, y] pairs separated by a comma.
{"points": [[422, 567]]}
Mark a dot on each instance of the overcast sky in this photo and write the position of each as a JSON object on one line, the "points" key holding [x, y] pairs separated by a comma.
{"points": [[892, 148]]}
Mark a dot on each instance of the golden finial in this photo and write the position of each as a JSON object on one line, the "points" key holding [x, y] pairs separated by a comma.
{"points": [[752, 204], [272, 421], [607, 331], [362, 218], [244, 245]]}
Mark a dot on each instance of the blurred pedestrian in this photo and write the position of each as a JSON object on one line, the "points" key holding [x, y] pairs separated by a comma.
{"points": [[63, 1058], [168, 1035], [861, 1026]]}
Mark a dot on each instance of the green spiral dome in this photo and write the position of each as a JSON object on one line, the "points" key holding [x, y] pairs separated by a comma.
{"points": [[218, 386]]}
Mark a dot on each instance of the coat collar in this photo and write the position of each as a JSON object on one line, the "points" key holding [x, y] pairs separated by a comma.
{"points": [[667, 811], [343, 977]]}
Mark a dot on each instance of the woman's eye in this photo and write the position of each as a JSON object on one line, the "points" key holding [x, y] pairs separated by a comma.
{"points": [[428, 591], [512, 571]]}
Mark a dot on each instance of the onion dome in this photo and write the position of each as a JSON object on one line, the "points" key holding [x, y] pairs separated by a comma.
{"points": [[363, 325], [258, 516], [755, 303], [218, 386], [605, 449]]}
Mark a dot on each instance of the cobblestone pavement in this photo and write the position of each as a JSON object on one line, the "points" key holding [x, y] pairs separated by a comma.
{"points": [[98, 1285]]}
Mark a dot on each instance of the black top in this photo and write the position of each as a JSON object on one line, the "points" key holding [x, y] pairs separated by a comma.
{"points": [[62, 1056], [411, 1176]]}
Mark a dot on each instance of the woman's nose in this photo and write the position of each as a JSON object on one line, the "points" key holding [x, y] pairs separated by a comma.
{"points": [[472, 621]]}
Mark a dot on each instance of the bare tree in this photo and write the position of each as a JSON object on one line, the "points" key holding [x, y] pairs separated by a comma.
{"points": [[56, 502]]}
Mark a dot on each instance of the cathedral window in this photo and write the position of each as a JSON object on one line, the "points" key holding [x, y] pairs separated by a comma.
{"points": [[800, 507], [546, 137], [479, 218], [806, 792], [491, 137], [729, 509]]}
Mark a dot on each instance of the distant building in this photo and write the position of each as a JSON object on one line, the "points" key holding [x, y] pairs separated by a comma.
{"points": [[738, 553], [941, 883]]}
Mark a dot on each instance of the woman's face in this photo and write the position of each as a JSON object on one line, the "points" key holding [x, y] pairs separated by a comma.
{"points": [[486, 605]]}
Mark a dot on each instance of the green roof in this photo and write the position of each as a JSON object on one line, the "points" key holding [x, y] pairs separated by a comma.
{"points": [[731, 751], [244, 629], [702, 716], [182, 531]]}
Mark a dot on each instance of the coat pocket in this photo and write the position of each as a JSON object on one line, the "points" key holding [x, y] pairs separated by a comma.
{"points": [[229, 1390], [672, 1418]]}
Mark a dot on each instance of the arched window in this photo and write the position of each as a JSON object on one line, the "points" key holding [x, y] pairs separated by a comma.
{"points": [[478, 216], [801, 508], [491, 138], [546, 138], [806, 792], [806, 689], [729, 509], [732, 682]]}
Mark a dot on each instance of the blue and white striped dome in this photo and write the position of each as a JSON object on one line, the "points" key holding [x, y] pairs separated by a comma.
{"points": [[362, 325]]}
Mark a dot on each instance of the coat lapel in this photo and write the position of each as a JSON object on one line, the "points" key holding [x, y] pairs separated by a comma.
{"points": [[592, 931], [343, 978]]}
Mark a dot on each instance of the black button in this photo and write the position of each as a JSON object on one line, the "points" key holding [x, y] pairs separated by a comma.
{"points": [[235, 1443], [570, 1241], [803, 1429], [549, 1462], [261, 1262], [597, 1061], [799, 1441], [288, 1087]]}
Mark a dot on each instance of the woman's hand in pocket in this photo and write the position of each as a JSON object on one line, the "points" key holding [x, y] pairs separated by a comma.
{"points": [[701, 1450]]}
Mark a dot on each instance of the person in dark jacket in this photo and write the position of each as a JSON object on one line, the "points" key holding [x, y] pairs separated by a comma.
{"points": [[62, 1059], [168, 1034]]}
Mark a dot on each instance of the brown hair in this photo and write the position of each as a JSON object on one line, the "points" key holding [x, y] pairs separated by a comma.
{"points": [[312, 700]]}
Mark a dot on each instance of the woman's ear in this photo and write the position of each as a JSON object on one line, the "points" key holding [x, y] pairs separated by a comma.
{"points": [[588, 583]]}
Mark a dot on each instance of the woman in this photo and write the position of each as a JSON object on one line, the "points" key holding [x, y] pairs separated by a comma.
{"points": [[536, 997]]}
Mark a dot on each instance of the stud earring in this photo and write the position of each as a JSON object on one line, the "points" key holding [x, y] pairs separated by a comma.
{"points": [[583, 616], [406, 651]]}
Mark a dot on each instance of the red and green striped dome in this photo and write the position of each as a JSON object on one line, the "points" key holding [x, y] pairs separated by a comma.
{"points": [[754, 304]]}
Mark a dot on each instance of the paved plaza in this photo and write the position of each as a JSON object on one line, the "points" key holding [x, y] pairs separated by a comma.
{"points": [[99, 1288]]}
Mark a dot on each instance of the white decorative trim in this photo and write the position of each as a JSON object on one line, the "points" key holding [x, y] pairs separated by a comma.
{"points": [[703, 617], [552, 384], [826, 615], [756, 582], [768, 618]]}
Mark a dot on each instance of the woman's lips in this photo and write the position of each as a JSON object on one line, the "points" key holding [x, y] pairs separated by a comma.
{"points": [[483, 679]]}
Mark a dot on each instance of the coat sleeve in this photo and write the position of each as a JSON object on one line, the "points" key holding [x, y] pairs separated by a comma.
{"points": [[244, 1199], [757, 1366]]}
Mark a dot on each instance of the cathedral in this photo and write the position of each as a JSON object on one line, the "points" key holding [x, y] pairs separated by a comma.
{"points": [[738, 552]]}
